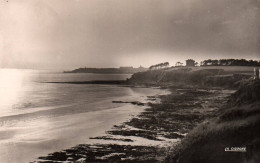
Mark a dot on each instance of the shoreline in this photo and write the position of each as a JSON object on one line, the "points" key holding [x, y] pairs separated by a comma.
{"points": [[104, 82], [161, 125], [38, 129]]}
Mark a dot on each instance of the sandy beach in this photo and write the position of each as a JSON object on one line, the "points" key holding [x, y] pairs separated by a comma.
{"points": [[146, 135], [42, 136], [33, 133]]}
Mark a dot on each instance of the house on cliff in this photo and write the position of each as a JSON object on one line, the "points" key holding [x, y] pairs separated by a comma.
{"points": [[190, 63]]}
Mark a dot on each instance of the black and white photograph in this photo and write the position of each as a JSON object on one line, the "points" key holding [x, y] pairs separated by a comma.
{"points": [[154, 81]]}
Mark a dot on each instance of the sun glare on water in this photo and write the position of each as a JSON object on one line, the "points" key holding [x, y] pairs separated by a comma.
{"points": [[11, 85]]}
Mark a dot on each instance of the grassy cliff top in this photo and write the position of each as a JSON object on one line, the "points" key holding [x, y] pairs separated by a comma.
{"points": [[237, 125]]}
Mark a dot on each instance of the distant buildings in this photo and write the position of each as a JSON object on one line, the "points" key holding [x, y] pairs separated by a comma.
{"points": [[190, 63], [126, 68]]}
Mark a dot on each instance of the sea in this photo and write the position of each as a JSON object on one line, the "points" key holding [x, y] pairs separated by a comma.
{"points": [[38, 117]]}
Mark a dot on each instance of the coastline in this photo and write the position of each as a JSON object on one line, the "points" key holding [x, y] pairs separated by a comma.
{"points": [[148, 135], [41, 136]]}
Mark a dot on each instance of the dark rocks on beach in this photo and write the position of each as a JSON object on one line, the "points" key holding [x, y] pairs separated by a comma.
{"points": [[173, 136], [152, 98], [132, 102], [140, 133], [110, 138], [176, 115], [104, 153]]}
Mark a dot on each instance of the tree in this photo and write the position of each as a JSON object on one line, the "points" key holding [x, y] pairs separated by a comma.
{"points": [[166, 64], [178, 64], [230, 62], [214, 62], [159, 65]]}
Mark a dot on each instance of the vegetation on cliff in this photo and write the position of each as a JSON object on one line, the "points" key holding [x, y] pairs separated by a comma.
{"points": [[237, 125], [229, 62], [202, 77]]}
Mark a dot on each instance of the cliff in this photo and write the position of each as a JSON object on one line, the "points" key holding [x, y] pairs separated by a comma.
{"points": [[236, 126], [202, 77]]}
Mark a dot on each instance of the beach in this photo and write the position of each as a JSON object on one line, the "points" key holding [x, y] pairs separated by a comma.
{"points": [[149, 135], [38, 118], [26, 140], [139, 120]]}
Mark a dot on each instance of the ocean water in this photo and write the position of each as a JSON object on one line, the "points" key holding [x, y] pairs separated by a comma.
{"points": [[37, 118], [23, 91]]}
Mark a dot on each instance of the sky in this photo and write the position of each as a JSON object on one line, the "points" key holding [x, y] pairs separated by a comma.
{"points": [[65, 34]]}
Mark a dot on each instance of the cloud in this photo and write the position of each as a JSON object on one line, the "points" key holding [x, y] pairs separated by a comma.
{"points": [[105, 33]]}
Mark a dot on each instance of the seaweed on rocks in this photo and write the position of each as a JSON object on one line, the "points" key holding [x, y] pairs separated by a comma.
{"points": [[175, 115], [111, 138], [104, 153]]}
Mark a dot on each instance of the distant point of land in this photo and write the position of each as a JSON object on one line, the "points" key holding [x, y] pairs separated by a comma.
{"points": [[120, 70]]}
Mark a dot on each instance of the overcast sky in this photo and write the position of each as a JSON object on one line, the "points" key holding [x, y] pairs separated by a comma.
{"points": [[112, 33]]}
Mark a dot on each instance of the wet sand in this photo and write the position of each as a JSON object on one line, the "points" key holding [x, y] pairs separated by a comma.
{"points": [[146, 136], [30, 141], [24, 140]]}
